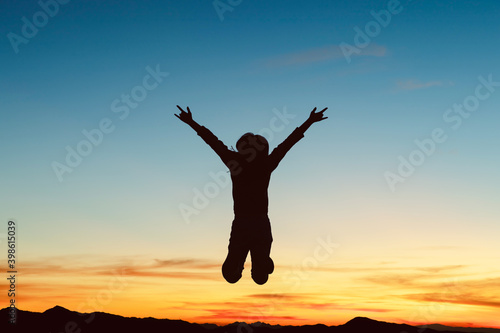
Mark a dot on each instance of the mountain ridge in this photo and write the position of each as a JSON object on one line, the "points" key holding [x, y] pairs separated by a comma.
{"points": [[61, 320]]}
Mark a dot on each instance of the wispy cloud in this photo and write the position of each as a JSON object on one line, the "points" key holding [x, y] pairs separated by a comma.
{"points": [[359, 268], [72, 280], [466, 299], [440, 285], [229, 315], [338, 307], [277, 297], [440, 248], [438, 269], [413, 84], [187, 263], [418, 278], [321, 54], [274, 308], [197, 269]]}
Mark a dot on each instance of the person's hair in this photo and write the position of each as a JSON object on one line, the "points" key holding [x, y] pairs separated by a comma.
{"points": [[262, 147]]}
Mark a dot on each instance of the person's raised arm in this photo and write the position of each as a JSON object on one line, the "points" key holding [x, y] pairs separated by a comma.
{"points": [[314, 117], [187, 117], [280, 151], [218, 146]]}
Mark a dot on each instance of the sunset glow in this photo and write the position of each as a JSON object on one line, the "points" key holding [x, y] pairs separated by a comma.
{"points": [[388, 209]]}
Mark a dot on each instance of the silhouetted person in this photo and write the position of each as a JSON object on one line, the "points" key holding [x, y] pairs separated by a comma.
{"points": [[251, 167]]}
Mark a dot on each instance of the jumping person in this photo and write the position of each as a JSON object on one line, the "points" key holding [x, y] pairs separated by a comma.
{"points": [[250, 166]]}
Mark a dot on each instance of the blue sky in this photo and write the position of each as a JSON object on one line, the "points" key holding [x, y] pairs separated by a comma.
{"points": [[236, 74]]}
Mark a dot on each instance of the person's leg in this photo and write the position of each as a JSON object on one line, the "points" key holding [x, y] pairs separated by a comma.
{"points": [[260, 248], [237, 253]]}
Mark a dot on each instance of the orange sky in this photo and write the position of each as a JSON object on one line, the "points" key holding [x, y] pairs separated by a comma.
{"points": [[410, 219], [331, 292]]}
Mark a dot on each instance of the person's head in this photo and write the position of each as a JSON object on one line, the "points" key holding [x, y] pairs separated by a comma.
{"points": [[253, 144]]}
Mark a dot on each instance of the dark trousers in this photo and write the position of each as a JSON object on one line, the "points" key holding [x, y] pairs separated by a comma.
{"points": [[249, 234]]}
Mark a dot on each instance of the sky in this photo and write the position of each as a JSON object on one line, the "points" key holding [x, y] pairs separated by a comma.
{"points": [[388, 209]]}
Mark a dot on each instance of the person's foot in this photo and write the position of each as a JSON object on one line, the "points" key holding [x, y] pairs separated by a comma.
{"points": [[260, 278], [231, 271], [260, 275]]}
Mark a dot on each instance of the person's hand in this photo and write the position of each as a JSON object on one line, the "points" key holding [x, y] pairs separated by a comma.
{"points": [[186, 117], [317, 116]]}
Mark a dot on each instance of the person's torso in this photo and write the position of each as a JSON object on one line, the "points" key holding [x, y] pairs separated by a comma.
{"points": [[250, 186]]}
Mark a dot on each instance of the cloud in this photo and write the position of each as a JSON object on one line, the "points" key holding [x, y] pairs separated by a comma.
{"points": [[321, 54], [172, 275], [438, 286], [277, 296], [187, 263], [455, 299], [228, 315], [440, 248], [310, 301], [191, 268], [338, 307], [411, 280], [438, 269], [383, 267], [258, 308], [74, 279], [484, 284], [415, 84]]}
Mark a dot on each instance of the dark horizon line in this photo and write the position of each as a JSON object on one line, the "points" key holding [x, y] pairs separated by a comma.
{"points": [[433, 325]]}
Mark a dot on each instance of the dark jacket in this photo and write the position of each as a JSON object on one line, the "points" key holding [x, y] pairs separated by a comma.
{"points": [[250, 173]]}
